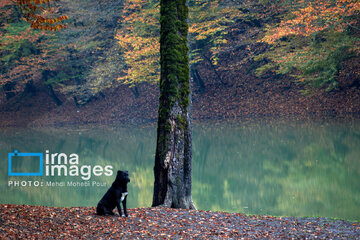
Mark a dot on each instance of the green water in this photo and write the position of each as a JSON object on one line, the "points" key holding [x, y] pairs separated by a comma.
{"points": [[291, 169]]}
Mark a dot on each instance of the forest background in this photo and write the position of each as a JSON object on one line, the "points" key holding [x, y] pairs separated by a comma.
{"points": [[249, 60]]}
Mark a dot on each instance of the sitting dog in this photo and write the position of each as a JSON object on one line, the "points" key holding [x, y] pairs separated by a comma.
{"points": [[116, 194]]}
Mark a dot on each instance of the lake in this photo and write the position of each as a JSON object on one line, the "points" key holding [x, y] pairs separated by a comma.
{"points": [[278, 168]]}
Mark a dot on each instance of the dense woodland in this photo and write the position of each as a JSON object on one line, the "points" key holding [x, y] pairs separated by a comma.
{"points": [[249, 59]]}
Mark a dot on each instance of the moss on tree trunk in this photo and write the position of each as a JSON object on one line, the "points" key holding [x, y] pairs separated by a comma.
{"points": [[172, 187]]}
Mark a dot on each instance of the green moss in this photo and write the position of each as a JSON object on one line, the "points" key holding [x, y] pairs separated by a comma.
{"points": [[174, 60], [178, 181], [182, 122]]}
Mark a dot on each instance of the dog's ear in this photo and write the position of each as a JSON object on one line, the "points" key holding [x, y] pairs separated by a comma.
{"points": [[119, 172]]}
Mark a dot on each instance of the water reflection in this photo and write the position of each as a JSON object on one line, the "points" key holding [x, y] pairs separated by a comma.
{"points": [[293, 169]]}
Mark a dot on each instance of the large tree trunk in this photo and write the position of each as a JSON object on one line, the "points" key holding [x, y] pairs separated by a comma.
{"points": [[172, 187]]}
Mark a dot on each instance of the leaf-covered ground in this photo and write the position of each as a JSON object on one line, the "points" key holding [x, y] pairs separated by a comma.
{"points": [[35, 222]]}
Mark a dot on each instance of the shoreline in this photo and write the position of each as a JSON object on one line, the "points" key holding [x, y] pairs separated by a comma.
{"points": [[349, 118], [37, 222]]}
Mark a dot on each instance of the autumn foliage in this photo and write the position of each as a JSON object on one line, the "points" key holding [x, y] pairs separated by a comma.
{"points": [[36, 11], [24, 56], [139, 41], [309, 40], [23, 53], [210, 22], [26, 52], [316, 16], [312, 41]]}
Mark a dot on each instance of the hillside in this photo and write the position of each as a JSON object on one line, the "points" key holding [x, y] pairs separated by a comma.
{"points": [[81, 75]]}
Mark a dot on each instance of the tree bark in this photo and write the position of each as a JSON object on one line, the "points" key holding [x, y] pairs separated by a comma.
{"points": [[172, 187]]}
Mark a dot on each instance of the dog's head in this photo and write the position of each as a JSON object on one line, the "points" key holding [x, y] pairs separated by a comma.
{"points": [[122, 176]]}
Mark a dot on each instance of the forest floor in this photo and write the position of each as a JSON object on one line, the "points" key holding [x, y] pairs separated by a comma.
{"points": [[35, 222], [241, 97], [217, 103]]}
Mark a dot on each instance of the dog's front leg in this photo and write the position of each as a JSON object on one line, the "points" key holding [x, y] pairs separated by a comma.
{"points": [[124, 205], [118, 200]]}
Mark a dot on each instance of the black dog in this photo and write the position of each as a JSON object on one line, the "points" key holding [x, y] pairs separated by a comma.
{"points": [[117, 193]]}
